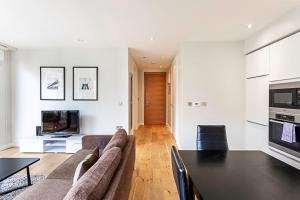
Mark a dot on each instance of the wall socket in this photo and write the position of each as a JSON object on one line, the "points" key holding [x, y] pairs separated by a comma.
{"points": [[119, 127]]}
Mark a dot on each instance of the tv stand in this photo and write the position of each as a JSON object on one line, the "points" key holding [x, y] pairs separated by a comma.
{"points": [[61, 136], [52, 144]]}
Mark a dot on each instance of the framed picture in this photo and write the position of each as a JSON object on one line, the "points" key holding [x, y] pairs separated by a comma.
{"points": [[85, 83], [52, 83]]}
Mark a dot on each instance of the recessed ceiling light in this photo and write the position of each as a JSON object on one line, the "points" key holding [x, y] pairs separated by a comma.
{"points": [[249, 26], [151, 38]]}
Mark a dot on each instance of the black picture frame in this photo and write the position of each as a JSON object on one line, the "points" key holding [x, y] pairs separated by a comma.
{"points": [[97, 82], [64, 83]]}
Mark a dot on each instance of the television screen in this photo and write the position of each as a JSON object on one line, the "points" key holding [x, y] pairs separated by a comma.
{"points": [[60, 121]]}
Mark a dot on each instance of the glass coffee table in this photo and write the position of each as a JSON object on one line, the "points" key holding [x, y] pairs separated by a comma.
{"points": [[11, 166]]}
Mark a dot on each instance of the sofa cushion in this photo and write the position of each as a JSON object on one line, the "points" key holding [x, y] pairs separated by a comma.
{"points": [[48, 189], [94, 183], [86, 164], [119, 139], [67, 169], [120, 185]]}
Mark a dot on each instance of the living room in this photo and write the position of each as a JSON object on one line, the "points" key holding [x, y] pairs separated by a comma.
{"points": [[141, 99]]}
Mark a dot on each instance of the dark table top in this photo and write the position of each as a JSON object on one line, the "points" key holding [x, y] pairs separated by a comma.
{"points": [[11, 166], [241, 175]]}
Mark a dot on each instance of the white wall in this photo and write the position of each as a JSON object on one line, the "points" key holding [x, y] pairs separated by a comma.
{"points": [[173, 76], [5, 100], [211, 72], [134, 72], [281, 27], [140, 97], [98, 117], [168, 99]]}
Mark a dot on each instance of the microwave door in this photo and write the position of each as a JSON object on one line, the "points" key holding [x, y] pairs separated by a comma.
{"points": [[283, 98]]}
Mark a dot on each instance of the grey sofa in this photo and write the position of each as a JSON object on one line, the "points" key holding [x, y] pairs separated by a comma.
{"points": [[59, 182]]}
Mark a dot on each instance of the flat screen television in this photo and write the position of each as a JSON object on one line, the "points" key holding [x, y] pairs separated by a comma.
{"points": [[60, 122]]}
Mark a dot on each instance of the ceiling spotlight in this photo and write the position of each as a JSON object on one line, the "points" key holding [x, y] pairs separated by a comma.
{"points": [[151, 39], [249, 26]]}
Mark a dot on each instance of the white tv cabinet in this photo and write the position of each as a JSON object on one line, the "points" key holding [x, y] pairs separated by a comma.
{"points": [[48, 144]]}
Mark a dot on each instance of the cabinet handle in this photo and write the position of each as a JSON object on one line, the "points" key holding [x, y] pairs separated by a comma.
{"points": [[256, 123]]}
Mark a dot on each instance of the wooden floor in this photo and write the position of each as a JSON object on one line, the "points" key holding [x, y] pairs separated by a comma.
{"points": [[48, 162], [152, 178]]}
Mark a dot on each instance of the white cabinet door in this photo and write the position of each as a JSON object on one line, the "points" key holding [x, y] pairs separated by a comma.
{"points": [[257, 63], [256, 137], [257, 100], [285, 59], [31, 145], [72, 146]]}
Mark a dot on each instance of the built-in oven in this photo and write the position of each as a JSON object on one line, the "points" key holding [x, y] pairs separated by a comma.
{"points": [[276, 126], [284, 117]]}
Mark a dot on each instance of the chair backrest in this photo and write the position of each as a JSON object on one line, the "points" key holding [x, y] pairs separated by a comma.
{"points": [[211, 137], [184, 187]]}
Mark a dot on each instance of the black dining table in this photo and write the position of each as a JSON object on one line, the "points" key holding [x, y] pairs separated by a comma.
{"points": [[240, 175]]}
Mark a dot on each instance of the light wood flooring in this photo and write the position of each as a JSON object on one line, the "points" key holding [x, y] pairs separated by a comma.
{"points": [[152, 180], [48, 162]]}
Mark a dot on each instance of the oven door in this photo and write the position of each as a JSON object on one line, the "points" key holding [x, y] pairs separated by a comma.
{"points": [[284, 98], [275, 133]]}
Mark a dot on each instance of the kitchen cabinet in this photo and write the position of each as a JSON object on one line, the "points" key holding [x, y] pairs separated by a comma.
{"points": [[257, 63], [285, 59], [256, 137], [257, 100]]}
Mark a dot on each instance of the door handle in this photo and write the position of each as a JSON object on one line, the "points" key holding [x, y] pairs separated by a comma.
{"points": [[147, 102]]}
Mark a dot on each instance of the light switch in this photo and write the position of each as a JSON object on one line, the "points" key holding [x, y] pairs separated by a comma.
{"points": [[196, 104]]}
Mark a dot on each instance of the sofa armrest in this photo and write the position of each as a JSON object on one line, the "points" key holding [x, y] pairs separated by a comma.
{"points": [[93, 141]]}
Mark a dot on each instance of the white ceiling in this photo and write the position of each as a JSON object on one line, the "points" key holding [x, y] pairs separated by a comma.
{"points": [[131, 23]]}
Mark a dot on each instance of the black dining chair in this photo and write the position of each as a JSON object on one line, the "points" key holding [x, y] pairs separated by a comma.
{"points": [[184, 186], [211, 137]]}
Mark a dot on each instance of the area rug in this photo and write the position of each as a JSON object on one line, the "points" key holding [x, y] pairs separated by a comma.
{"points": [[17, 181]]}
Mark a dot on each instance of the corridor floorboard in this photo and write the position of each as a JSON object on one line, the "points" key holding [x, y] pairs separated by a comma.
{"points": [[153, 177]]}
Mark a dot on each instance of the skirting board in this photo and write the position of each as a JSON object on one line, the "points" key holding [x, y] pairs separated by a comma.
{"points": [[7, 146], [287, 155]]}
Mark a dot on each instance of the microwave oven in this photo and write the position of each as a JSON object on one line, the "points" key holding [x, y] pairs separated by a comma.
{"points": [[285, 98]]}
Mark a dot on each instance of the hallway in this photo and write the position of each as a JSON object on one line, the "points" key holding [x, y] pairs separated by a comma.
{"points": [[153, 178]]}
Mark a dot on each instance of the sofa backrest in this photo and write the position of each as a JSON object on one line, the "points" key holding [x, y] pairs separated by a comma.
{"points": [[120, 185]]}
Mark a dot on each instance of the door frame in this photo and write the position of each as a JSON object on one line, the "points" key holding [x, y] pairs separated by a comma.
{"points": [[131, 101]]}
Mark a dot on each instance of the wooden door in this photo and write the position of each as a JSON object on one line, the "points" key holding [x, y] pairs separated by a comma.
{"points": [[155, 98]]}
